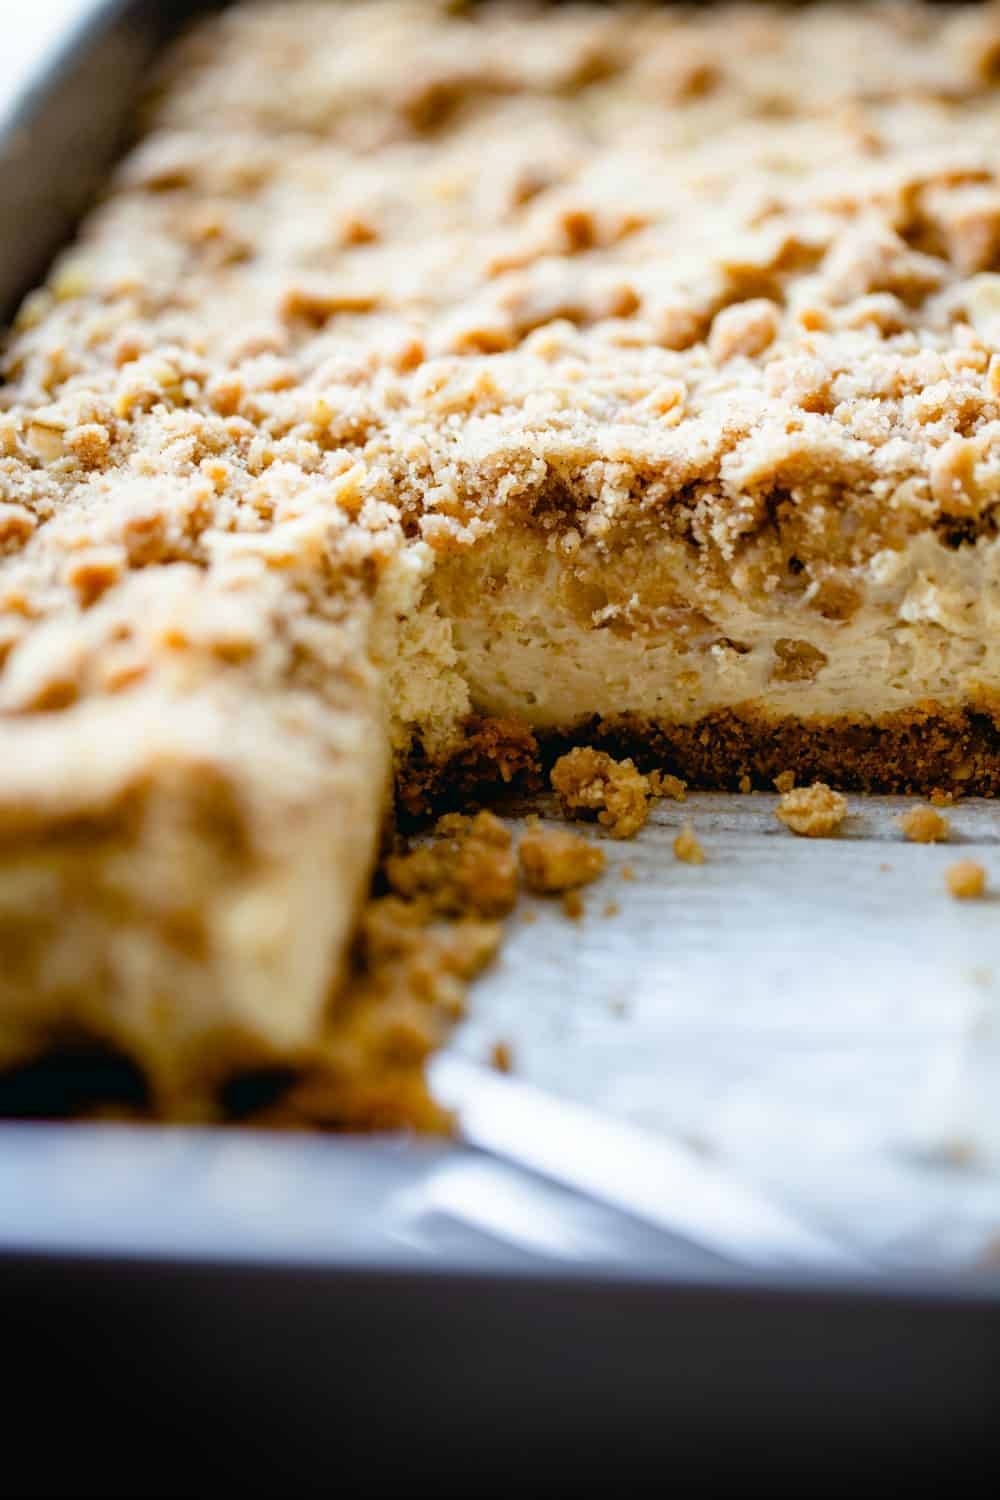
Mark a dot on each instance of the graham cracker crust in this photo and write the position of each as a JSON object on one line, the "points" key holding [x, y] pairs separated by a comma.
{"points": [[919, 750], [493, 752]]}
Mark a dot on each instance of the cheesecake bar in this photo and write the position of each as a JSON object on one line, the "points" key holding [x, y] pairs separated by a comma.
{"points": [[437, 388]]}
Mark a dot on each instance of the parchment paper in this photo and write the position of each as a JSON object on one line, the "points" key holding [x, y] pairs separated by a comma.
{"points": [[820, 1015]]}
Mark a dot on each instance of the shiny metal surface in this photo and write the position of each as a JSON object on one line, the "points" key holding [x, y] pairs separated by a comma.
{"points": [[651, 1178]]}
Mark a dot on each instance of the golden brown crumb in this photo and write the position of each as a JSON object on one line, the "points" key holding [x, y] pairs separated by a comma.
{"points": [[627, 872], [687, 847], [406, 989], [746, 785], [484, 827], [529, 916], [663, 785], [942, 798], [784, 781], [885, 868], [572, 905], [502, 1057], [555, 860], [416, 951], [588, 780], [490, 751], [812, 811], [966, 880], [469, 867], [746, 329], [611, 909], [922, 825]]}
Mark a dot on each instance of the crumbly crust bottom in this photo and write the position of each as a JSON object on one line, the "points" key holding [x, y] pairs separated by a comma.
{"points": [[931, 747], [917, 750], [491, 753]]}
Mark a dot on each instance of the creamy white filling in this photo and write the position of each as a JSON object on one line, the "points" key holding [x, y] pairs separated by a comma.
{"points": [[928, 627]]}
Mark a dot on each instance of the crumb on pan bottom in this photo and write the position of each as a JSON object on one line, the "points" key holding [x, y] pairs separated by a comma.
{"points": [[813, 812], [966, 880]]}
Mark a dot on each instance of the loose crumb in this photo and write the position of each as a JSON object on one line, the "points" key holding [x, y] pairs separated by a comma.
{"points": [[966, 880], [663, 785], [885, 868], [611, 909], [922, 825], [941, 798], [572, 905], [746, 785], [502, 1057], [412, 961], [687, 847], [589, 780], [469, 867], [814, 811], [529, 916], [627, 872], [784, 781], [555, 860]]}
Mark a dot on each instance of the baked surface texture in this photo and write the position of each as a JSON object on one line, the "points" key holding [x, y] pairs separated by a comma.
{"points": [[434, 388]]}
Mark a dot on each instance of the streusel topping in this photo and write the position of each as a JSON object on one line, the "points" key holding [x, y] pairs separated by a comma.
{"points": [[726, 273]]}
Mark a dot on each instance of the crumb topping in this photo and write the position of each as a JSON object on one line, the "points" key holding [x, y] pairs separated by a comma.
{"points": [[505, 264], [554, 860], [591, 781], [661, 784], [469, 866], [966, 880], [924, 825], [502, 1056], [415, 952], [814, 812], [572, 905], [687, 847]]}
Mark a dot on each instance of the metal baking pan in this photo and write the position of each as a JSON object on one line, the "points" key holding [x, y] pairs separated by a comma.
{"points": [[193, 1311]]}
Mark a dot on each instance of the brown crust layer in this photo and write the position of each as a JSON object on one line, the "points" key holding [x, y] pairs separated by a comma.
{"points": [[915, 750], [919, 750], [493, 751]]}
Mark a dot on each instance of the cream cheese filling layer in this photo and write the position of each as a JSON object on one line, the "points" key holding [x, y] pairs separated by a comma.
{"points": [[927, 627]]}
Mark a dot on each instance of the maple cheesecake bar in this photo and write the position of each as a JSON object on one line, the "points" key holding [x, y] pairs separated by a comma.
{"points": [[432, 389]]}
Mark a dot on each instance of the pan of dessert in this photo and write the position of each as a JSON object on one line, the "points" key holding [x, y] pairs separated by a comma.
{"points": [[496, 658]]}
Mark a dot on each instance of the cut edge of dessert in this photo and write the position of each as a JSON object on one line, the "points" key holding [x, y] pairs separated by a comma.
{"points": [[419, 435]]}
